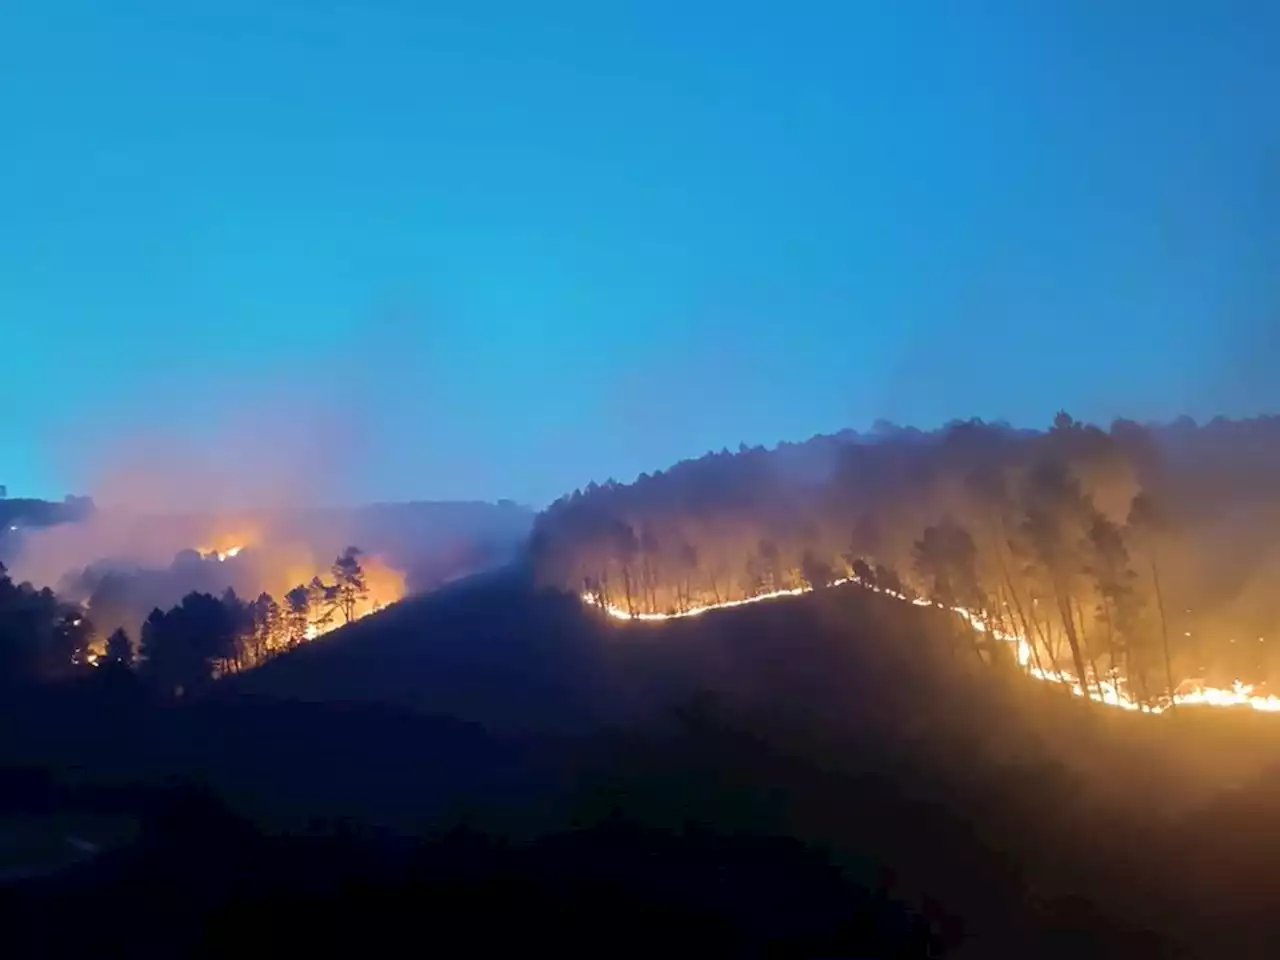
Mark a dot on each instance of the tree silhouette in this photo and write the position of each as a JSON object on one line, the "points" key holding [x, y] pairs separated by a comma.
{"points": [[1147, 522], [267, 633], [1055, 505], [625, 549], [182, 648], [1108, 564], [323, 601], [350, 588], [119, 650], [241, 626], [28, 618], [946, 560], [297, 615], [817, 572]]}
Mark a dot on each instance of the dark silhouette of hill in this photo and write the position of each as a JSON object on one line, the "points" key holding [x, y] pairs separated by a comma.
{"points": [[644, 774], [289, 765], [1009, 813], [487, 649], [211, 884]]}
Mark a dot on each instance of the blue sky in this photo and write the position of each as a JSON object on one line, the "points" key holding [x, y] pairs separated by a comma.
{"points": [[518, 246]]}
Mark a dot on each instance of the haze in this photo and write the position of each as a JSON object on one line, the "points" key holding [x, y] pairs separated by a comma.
{"points": [[498, 250]]}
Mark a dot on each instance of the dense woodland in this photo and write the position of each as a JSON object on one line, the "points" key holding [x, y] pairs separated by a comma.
{"points": [[44, 637], [1139, 554]]}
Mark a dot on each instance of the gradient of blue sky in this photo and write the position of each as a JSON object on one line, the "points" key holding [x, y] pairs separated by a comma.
{"points": [[540, 243]]}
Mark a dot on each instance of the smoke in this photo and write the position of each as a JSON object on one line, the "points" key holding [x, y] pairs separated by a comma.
{"points": [[266, 447], [245, 469], [264, 470]]}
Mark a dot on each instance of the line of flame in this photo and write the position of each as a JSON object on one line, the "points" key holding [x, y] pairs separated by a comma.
{"points": [[1111, 693]]}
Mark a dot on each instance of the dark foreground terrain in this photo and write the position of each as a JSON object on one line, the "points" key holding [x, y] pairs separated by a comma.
{"points": [[495, 767]]}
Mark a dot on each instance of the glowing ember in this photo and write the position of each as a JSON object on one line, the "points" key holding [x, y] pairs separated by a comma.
{"points": [[1110, 693]]}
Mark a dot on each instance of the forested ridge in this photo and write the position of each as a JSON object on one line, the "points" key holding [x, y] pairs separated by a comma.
{"points": [[1138, 554]]}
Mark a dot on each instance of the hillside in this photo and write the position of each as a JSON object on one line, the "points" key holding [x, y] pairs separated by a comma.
{"points": [[1134, 559], [1009, 813], [937, 774], [839, 718], [487, 649]]}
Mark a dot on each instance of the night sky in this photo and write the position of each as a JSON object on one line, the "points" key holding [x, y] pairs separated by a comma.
{"points": [[499, 249]]}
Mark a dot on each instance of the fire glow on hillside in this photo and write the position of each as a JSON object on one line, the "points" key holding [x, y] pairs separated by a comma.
{"points": [[321, 601], [1107, 692], [279, 593]]}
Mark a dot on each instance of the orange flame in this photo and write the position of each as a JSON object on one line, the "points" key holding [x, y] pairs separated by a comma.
{"points": [[1108, 692], [220, 555]]}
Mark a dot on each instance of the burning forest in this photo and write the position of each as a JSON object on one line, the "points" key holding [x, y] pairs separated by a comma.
{"points": [[1130, 565], [188, 595], [205, 615]]}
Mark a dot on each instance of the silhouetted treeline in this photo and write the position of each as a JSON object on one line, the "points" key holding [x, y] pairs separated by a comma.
{"points": [[1138, 555], [40, 635], [179, 650]]}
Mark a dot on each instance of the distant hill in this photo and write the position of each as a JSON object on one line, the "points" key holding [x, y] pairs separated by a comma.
{"points": [[29, 513]]}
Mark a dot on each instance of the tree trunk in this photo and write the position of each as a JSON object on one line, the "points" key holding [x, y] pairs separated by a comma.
{"points": [[1005, 623], [626, 588], [1045, 631], [1073, 641], [1027, 632], [1164, 626], [649, 589], [1111, 644], [1078, 611]]}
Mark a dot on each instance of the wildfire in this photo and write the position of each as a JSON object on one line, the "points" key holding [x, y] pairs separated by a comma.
{"points": [[223, 545], [276, 569], [1111, 693], [221, 555]]}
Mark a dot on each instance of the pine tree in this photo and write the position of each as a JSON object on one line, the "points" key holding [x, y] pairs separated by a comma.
{"points": [[350, 587]]}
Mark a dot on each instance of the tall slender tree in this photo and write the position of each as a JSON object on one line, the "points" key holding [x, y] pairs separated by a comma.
{"points": [[350, 587], [1147, 521], [297, 615]]}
